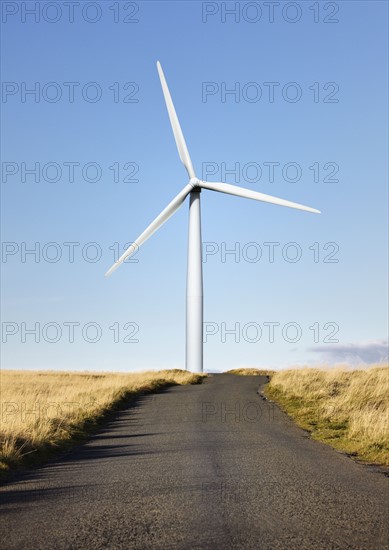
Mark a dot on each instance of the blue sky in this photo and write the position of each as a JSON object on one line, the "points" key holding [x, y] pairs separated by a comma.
{"points": [[325, 130]]}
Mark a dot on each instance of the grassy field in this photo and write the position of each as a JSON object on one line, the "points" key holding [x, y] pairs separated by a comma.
{"points": [[43, 411], [250, 372], [349, 409]]}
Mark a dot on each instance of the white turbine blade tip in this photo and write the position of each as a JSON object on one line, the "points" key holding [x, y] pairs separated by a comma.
{"points": [[109, 272], [112, 269], [129, 252]]}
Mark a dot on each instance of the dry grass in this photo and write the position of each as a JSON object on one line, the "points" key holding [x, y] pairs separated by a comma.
{"points": [[42, 411], [347, 408], [250, 372]]}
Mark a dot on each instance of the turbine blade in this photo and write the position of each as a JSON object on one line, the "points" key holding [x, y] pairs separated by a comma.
{"points": [[171, 208], [178, 135], [249, 194]]}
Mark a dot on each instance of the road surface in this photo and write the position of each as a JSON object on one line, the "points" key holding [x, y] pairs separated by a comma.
{"points": [[212, 466]]}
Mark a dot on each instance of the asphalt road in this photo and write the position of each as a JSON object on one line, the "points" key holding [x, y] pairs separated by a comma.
{"points": [[211, 466]]}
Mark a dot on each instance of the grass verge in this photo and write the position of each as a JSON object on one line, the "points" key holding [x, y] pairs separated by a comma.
{"points": [[348, 409], [43, 412]]}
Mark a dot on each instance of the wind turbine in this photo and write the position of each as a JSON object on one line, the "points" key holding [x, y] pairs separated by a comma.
{"points": [[194, 289]]}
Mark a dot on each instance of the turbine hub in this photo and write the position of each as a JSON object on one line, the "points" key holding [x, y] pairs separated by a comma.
{"points": [[194, 182]]}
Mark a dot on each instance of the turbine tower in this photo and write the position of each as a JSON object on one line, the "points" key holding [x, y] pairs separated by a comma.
{"points": [[194, 287]]}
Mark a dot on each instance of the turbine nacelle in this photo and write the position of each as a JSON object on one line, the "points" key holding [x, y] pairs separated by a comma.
{"points": [[195, 183]]}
